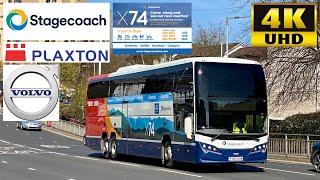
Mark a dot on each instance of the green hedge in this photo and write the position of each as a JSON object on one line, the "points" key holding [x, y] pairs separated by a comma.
{"points": [[297, 124]]}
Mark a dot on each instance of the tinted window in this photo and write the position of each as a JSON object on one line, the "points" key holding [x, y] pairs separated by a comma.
{"points": [[116, 89], [97, 90], [133, 88], [230, 80]]}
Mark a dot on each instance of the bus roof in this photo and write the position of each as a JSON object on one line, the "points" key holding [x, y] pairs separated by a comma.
{"points": [[141, 68]]}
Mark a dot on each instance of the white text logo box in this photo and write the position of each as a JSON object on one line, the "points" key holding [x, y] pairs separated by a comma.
{"points": [[56, 21], [59, 52]]}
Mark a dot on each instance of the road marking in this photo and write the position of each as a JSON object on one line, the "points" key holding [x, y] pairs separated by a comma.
{"points": [[32, 169], [71, 179], [177, 172], [287, 162], [4, 141], [122, 163], [74, 138], [95, 159], [294, 172], [79, 157], [55, 146], [37, 149], [4, 162]]}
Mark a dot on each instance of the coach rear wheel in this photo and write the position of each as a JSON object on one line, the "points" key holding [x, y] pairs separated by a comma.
{"points": [[113, 148], [316, 162], [166, 155], [104, 146]]}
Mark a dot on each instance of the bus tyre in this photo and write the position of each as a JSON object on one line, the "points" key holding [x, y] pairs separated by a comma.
{"points": [[166, 155], [104, 146], [316, 161], [113, 148]]}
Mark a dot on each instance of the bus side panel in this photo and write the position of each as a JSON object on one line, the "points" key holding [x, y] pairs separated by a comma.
{"points": [[144, 120], [146, 149], [95, 122], [184, 152], [183, 149]]}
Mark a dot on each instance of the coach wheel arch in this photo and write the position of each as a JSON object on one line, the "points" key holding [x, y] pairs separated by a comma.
{"points": [[113, 134], [104, 135], [166, 138]]}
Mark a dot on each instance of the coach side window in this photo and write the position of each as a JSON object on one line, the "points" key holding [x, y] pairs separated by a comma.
{"points": [[183, 97], [116, 89], [133, 87], [98, 90]]}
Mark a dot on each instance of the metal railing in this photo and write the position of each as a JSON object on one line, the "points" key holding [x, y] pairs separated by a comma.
{"points": [[290, 145], [67, 126]]}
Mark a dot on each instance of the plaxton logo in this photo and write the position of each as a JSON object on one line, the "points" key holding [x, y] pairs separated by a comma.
{"points": [[53, 22], [80, 55], [57, 52], [12, 14]]}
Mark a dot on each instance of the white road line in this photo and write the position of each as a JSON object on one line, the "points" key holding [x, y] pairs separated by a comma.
{"points": [[71, 179], [122, 163], [4, 141], [288, 162], [32, 169], [79, 157], [177, 172], [294, 172], [78, 139], [4, 162], [36, 149], [94, 159]]}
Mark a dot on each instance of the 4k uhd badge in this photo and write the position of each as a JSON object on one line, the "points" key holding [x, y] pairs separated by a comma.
{"points": [[31, 92]]}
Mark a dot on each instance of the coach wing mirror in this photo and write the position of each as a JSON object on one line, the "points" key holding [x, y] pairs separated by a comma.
{"points": [[188, 126]]}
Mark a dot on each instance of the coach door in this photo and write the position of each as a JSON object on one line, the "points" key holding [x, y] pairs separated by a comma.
{"points": [[125, 128]]}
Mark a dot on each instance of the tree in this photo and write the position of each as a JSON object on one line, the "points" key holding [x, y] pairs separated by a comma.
{"points": [[292, 73]]}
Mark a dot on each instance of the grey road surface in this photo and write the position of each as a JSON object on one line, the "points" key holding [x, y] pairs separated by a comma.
{"points": [[48, 156]]}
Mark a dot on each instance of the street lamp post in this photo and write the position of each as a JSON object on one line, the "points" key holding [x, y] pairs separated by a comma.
{"points": [[227, 29]]}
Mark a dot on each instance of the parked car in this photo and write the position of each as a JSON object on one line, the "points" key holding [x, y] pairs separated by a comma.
{"points": [[315, 157], [36, 125]]}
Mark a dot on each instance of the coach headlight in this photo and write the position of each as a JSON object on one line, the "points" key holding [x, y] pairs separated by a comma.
{"points": [[259, 148], [206, 148]]}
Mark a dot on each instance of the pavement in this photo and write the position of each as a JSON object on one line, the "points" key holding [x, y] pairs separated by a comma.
{"points": [[50, 156]]}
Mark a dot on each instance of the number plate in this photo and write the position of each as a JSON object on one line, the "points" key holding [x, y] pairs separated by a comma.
{"points": [[235, 158]]}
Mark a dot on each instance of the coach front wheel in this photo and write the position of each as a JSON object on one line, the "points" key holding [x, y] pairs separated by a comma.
{"points": [[316, 162], [166, 155]]}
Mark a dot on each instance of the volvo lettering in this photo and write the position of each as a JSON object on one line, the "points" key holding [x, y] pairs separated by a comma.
{"points": [[31, 93]]}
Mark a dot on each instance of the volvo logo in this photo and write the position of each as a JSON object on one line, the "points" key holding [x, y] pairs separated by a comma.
{"points": [[44, 86]]}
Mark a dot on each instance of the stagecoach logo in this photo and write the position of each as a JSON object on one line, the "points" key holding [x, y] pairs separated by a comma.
{"points": [[39, 90], [232, 143], [224, 143]]}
